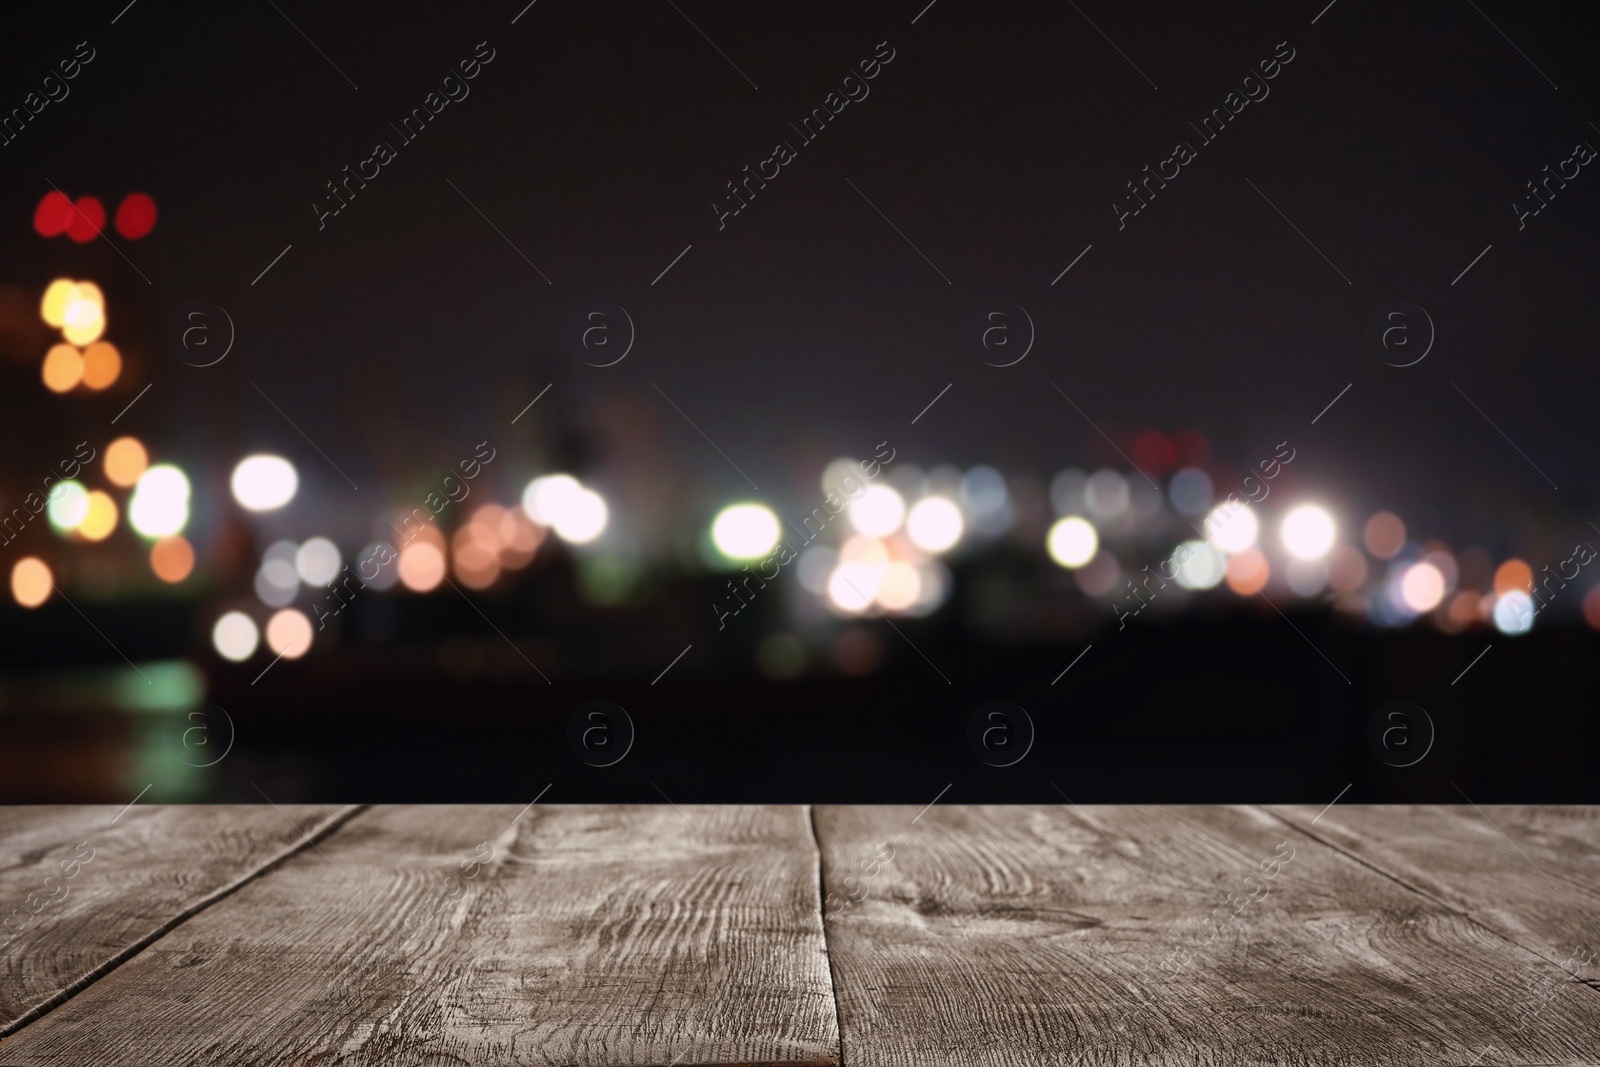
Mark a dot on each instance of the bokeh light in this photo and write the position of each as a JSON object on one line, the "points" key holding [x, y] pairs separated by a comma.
{"points": [[264, 482], [1384, 535], [68, 505], [1513, 576], [745, 531], [421, 566], [1202, 567], [852, 586], [1235, 530], [235, 636], [577, 514], [1072, 542], [899, 588], [100, 519], [62, 369], [53, 305], [1421, 587], [31, 581], [934, 524], [1190, 491], [1513, 613], [85, 318], [102, 363], [289, 633], [125, 460], [1591, 608], [87, 219], [1106, 494], [1347, 569], [160, 504], [136, 216], [317, 561], [878, 512], [53, 214], [1248, 572], [1308, 532], [172, 559]]}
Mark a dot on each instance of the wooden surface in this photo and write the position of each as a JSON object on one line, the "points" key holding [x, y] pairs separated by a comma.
{"points": [[614, 936], [132, 874]]}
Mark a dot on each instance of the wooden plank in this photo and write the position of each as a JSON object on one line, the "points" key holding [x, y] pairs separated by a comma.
{"points": [[82, 887], [1530, 873], [462, 935], [1013, 936]]}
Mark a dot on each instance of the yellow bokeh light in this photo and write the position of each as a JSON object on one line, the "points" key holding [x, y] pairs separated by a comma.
{"points": [[101, 518], [86, 321], [126, 459], [102, 363], [31, 581], [53, 308], [91, 292], [63, 368]]}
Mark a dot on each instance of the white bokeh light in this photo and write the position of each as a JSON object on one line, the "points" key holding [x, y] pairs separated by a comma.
{"points": [[68, 505], [317, 561], [235, 636], [160, 504], [1072, 541], [878, 512], [577, 514], [1203, 567], [1308, 532], [745, 531], [262, 483], [852, 586], [1233, 531], [1513, 613], [934, 524]]}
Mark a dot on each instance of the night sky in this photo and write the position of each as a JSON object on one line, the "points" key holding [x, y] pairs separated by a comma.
{"points": [[997, 140]]}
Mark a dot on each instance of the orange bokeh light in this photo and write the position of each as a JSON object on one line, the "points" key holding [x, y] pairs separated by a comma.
{"points": [[421, 565], [31, 581], [1248, 572], [1513, 576], [126, 459], [172, 559], [102, 363], [63, 368]]}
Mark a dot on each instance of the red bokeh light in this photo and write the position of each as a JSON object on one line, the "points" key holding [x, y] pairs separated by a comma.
{"points": [[1153, 453], [136, 216], [53, 215], [1193, 449], [88, 218]]}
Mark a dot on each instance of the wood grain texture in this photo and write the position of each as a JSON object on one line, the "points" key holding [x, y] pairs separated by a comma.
{"points": [[80, 887], [1013, 936], [600, 935], [1531, 873]]}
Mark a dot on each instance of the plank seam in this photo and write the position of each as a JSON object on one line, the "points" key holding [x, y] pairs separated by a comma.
{"points": [[827, 948], [1590, 983], [1362, 860], [132, 949]]}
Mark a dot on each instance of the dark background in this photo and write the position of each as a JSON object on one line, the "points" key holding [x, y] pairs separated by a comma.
{"points": [[407, 330]]}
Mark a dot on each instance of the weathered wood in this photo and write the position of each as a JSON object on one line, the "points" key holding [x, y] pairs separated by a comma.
{"points": [[83, 887], [1013, 936], [592, 935], [1530, 873]]}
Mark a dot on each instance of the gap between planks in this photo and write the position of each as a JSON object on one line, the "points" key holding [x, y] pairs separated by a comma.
{"points": [[822, 914], [1465, 913], [308, 839]]}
